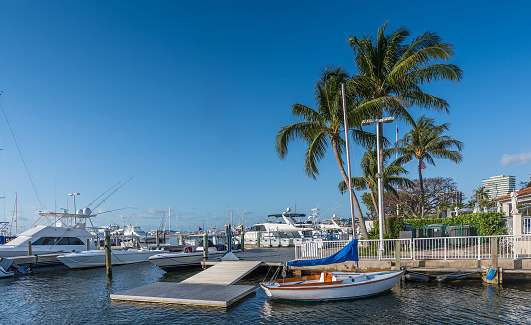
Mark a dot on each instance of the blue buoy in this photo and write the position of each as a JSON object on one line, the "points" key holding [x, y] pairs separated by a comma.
{"points": [[491, 274]]}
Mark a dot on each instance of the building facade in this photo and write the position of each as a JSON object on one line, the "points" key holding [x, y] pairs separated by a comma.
{"points": [[452, 197], [497, 186]]}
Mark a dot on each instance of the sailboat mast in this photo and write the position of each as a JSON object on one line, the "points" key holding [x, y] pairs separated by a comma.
{"points": [[348, 160]]}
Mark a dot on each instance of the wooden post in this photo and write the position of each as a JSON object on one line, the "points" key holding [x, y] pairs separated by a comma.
{"points": [[107, 246], [258, 239], [397, 254], [242, 246], [205, 246], [157, 240], [494, 263], [137, 243], [88, 244], [30, 252]]}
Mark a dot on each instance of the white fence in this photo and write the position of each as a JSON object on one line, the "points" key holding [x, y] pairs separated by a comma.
{"points": [[442, 248]]}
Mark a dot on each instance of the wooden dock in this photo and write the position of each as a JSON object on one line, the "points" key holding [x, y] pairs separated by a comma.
{"points": [[211, 287]]}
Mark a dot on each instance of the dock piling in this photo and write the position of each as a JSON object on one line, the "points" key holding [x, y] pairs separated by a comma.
{"points": [[397, 254], [107, 246], [205, 246], [88, 244], [242, 246], [497, 279]]}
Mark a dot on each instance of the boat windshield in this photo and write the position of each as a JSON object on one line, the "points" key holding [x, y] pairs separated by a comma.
{"points": [[58, 241]]}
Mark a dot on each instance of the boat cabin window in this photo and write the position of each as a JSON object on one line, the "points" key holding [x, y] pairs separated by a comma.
{"points": [[58, 241], [258, 228]]}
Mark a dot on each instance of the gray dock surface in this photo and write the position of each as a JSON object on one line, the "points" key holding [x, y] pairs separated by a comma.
{"points": [[187, 293], [226, 272]]}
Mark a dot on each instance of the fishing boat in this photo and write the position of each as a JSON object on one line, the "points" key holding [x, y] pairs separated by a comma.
{"points": [[96, 258], [332, 285], [66, 234]]}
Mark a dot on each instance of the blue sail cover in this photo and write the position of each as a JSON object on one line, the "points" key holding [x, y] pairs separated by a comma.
{"points": [[348, 253]]}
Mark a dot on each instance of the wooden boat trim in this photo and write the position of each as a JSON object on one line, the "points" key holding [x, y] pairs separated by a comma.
{"points": [[300, 278], [326, 285]]}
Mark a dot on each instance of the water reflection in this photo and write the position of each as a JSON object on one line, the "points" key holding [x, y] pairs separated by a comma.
{"points": [[82, 296]]}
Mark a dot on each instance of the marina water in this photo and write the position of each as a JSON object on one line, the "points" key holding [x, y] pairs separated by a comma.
{"points": [[65, 296]]}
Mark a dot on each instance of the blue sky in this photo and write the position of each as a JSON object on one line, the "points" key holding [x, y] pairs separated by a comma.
{"points": [[187, 97]]}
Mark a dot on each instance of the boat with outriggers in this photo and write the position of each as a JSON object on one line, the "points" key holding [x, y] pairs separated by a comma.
{"points": [[66, 233]]}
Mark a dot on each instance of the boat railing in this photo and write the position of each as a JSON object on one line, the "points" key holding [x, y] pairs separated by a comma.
{"points": [[441, 248]]}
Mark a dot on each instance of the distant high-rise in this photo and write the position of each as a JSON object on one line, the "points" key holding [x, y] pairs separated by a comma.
{"points": [[497, 186]]}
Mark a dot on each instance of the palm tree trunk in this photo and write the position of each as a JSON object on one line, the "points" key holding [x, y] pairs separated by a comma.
{"points": [[421, 192], [363, 229], [373, 199]]}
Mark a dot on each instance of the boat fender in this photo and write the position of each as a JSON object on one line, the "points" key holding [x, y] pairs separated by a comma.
{"points": [[491, 274]]}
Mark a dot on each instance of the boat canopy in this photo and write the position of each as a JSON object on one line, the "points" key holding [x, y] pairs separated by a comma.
{"points": [[348, 253]]}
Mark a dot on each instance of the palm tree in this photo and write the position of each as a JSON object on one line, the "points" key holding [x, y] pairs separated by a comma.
{"points": [[323, 127], [481, 194], [391, 73], [368, 181], [425, 141]]}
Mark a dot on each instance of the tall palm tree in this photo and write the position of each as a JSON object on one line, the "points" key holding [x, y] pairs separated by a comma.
{"points": [[390, 73], [481, 193], [425, 141], [323, 127], [368, 181]]}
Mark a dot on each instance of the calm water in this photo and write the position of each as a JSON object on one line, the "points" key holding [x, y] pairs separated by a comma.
{"points": [[64, 296]]}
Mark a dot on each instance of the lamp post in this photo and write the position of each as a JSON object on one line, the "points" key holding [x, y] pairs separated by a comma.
{"points": [[74, 195], [380, 169]]}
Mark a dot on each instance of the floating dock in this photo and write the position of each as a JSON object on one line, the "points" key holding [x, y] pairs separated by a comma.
{"points": [[211, 287]]}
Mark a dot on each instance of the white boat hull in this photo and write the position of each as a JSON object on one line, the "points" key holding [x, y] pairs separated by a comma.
{"points": [[357, 285], [96, 258], [179, 261]]}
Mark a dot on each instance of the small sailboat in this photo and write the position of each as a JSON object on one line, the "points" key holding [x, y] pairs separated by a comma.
{"points": [[332, 285]]}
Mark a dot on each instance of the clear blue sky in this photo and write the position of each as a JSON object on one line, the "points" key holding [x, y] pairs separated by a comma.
{"points": [[187, 97]]}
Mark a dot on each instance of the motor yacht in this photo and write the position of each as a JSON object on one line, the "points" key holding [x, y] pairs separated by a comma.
{"points": [[67, 234]]}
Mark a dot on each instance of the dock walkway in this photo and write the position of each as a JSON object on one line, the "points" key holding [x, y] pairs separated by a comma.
{"points": [[211, 287]]}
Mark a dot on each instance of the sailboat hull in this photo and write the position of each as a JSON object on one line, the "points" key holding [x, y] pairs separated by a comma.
{"points": [[339, 285]]}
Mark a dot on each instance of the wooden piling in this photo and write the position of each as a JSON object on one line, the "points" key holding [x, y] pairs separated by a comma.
{"points": [[242, 246], [107, 246], [88, 244], [205, 246], [494, 263], [30, 252], [157, 240], [397, 254], [258, 239]]}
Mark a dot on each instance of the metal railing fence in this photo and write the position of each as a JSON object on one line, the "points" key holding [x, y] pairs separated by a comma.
{"points": [[442, 248]]}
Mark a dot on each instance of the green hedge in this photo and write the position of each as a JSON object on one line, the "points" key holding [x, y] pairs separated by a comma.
{"points": [[490, 223]]}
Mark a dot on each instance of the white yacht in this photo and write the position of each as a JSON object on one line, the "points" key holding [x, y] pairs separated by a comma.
{"points": [[281, 225], [96, 258], [67, 234], [190, 258]]}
